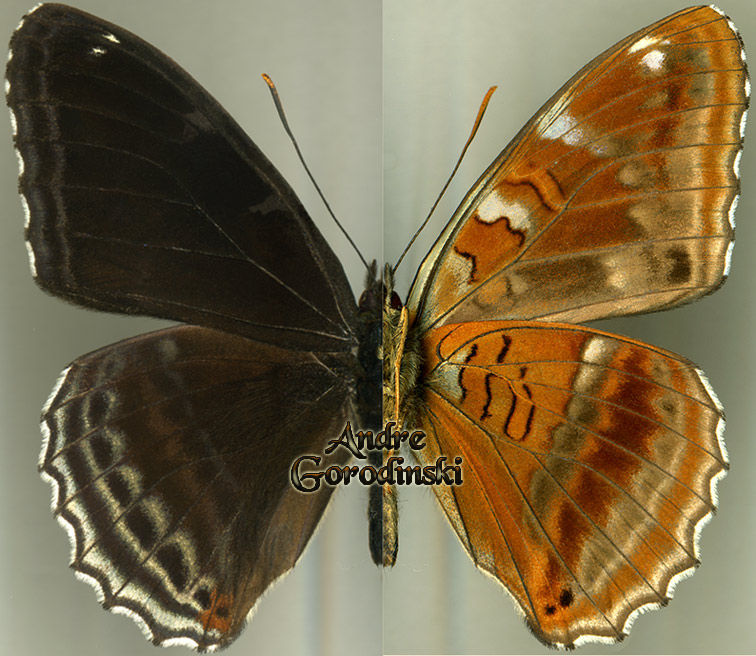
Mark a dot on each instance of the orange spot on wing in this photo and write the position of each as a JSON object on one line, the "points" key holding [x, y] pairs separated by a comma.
{"points": [[217, 617]]}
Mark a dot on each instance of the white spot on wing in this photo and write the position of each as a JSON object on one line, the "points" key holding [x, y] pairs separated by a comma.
{"points": [[588, 639], [653, 60], [122, 610], [743, 122], [731, 211], [185, 642], [728, 259], [111, 37], [494, 207], [32, 260], [14, 125], [97, 51], [645, 42], [491, 208], [27, 212], [169, 350], [617, 277], [594, 350], [688, 572], [21, 22], [20, 162], [563, 127], [736, 163]]}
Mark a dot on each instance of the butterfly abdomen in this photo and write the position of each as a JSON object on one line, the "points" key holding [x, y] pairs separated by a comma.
{"points": [[368, 354]]}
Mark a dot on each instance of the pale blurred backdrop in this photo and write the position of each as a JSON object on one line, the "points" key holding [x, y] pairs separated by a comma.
{"points": [[381, 96]]}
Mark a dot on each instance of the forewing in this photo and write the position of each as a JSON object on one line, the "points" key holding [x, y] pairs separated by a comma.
{"points": [[617, 197], [589, 466], [144, 196], [169, 456]]}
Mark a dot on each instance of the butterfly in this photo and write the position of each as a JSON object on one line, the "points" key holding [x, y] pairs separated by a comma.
{"points": [[474, 381]]}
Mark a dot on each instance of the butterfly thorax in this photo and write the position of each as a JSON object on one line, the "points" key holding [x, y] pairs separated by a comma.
{"points": [[402, 359]]}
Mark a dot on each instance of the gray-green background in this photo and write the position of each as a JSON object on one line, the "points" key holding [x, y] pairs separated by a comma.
{"points": [[381, 97]]}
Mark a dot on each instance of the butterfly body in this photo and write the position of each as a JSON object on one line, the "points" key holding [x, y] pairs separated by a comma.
{"points": [[589, 460]]}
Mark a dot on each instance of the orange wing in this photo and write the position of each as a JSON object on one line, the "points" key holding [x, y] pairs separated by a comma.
{"points": [[617, 197], [589, 466], [589, 460]]}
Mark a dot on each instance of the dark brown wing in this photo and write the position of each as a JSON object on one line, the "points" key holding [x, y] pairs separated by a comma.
{"points": [[170, 453], [170, 456], [144, 196]]}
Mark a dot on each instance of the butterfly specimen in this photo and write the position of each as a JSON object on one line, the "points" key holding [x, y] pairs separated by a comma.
{"points": [[589, 459]]}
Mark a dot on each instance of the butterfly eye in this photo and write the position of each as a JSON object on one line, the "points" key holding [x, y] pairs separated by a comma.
{"points": [[368, 301]]}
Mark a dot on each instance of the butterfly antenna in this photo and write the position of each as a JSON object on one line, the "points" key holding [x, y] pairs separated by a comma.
{"points": [[476, 125], [282, 116]]}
